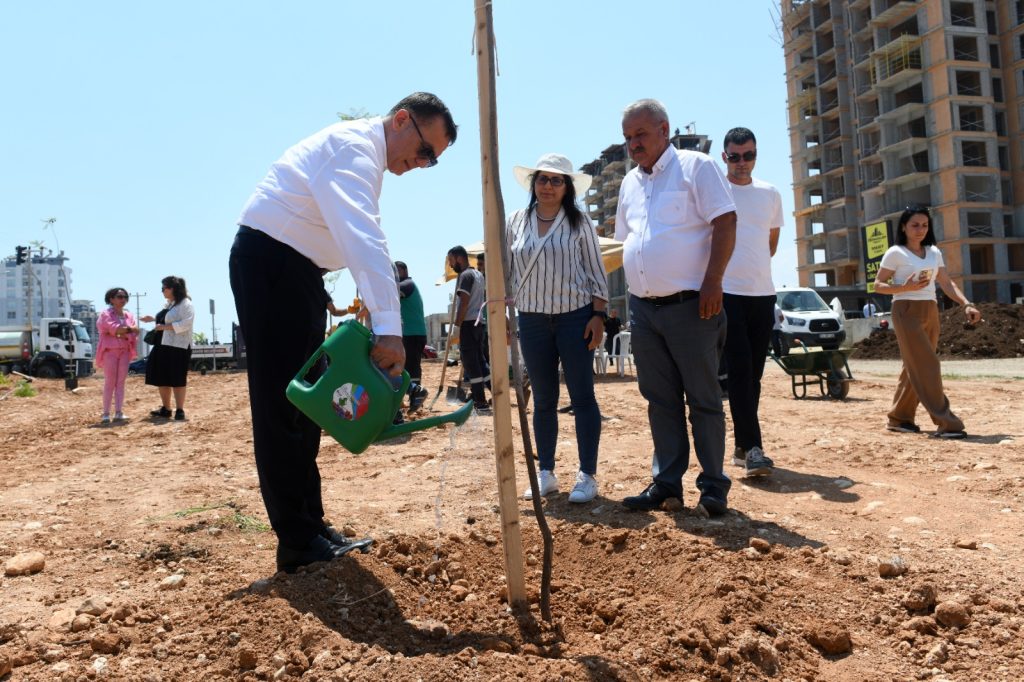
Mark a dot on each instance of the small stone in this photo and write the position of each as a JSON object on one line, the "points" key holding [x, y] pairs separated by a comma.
{"points": [[459, 592], [25, 563], [106, 643], [750, 553], [761, 545], [952, 614], [53, 655], [348, 531], [843, 483], [94, 606], [82, 621], [920, 597], [495, 644], [247, 659], [937, 655], [925, 625], [6, 665], [619, 537], [172, 582], [830, 638], [673, 504], [841, 557], [870, 508], [892, 567], [61, 620], [33, 525], [964, 543], [985, 466]]}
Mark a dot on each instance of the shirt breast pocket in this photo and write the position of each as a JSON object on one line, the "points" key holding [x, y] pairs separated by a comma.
{"points": [[670, 208]]}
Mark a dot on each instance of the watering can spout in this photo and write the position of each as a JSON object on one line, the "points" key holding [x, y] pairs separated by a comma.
{"points": [[458, 417]]}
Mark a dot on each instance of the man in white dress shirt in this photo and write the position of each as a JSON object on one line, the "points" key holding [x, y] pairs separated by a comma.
{"points": [[678, 223], [749, 298], [317, 211]]}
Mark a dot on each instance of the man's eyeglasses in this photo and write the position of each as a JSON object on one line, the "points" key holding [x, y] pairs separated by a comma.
{"points": [[425, 150], [746, 156], [548, 180]]}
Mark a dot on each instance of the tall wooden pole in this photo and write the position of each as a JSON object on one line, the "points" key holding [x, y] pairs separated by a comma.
{"points": [[494, 223]]}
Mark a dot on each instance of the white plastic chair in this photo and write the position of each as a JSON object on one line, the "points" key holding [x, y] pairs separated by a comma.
{"points": [[621, 352], [601, 357]]}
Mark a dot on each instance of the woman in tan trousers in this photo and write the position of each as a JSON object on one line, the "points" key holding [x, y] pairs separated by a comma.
{"points": [[909, 271]]}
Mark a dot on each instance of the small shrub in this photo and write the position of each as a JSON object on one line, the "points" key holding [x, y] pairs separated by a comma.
{"points": [[25, 390]]}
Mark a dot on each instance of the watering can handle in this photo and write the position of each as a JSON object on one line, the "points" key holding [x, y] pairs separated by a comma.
{"points": [[301, 376], [398, 383]]}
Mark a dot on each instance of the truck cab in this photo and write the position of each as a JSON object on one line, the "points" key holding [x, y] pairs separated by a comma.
{"points": [[807, 319], [57, 342]]}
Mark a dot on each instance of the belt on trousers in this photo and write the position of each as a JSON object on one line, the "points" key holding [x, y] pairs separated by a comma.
{"points": [[672, 299]]}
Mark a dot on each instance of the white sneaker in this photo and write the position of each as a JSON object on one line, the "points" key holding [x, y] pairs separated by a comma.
{"points": [[739, 457], [548, 484], [105, 419], [585, 489], [119, 416]]}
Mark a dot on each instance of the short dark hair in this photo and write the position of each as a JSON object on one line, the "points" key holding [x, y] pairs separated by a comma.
{"points": [[111, 293], [400, 264], [177, 286], [910, 212], [738, 136], [459, 252], [427, 107], [481, 257]]}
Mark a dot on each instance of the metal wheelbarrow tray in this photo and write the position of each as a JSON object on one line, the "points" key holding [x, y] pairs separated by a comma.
{"points": [[829, 369]]}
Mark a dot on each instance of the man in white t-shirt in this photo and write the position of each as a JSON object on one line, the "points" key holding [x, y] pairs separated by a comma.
{"points": [[749, 296], [677, 222], [870, 309]]}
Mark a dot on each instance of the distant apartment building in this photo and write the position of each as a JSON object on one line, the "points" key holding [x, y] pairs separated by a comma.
{"points": [[602, 199], [45, 279], [899, 102]]}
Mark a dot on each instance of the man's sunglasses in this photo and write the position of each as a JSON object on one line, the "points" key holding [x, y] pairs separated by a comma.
{"points": [[425, 150], [746, 156]]}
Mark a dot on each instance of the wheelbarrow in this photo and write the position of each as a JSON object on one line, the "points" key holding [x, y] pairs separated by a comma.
{"points": [[829, 369]]}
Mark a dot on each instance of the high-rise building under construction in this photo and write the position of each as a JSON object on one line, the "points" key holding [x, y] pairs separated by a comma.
{"points": [[899, 102]]}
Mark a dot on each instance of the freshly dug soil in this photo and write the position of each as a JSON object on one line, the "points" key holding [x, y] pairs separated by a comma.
{"points": [[140, 551], [1000, 334]]}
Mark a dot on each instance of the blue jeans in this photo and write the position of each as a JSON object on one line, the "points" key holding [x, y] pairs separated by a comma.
{"points": [[546, 339]]}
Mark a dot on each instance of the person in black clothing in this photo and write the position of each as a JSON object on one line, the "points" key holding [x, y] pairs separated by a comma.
{"points": [[470, 294], [612, 326]]}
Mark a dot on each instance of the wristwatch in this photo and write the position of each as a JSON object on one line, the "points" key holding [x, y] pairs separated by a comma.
{"points": [[603, 314]]}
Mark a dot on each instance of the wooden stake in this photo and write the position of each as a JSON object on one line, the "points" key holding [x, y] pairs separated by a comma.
{"points": [[494, 223]]}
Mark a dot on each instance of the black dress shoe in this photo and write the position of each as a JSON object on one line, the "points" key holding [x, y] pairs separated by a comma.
{"points": [[343, 542], [162, 413], [713, 503], [319, 549], [650, 499]]}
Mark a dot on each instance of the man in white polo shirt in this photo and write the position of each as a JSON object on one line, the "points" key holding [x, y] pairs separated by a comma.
{"points": [[678, 223], [749, 296], [317, 210]]}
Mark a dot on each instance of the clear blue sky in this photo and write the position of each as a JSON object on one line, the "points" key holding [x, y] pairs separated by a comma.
{"points": [[143, 127]]}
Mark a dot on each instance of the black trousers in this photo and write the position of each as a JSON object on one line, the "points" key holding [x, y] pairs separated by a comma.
{"points": [[268, 280], [750, 321], [471, 350], [413, 354]]}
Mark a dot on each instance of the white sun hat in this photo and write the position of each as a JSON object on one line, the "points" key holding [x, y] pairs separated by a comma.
{"points": [[553, 163]]}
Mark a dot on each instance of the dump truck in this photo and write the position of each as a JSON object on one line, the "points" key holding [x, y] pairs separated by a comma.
{"points": [[63, 344]]}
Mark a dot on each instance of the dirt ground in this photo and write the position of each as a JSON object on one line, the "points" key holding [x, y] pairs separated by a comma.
{"points": [[999, 335], [159, 564]]}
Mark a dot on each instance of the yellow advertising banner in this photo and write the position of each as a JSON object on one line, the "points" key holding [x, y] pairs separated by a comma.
{"points": [[876, 243]]}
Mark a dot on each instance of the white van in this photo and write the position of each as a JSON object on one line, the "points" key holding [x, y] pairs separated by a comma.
{"points": [[807, 319]]}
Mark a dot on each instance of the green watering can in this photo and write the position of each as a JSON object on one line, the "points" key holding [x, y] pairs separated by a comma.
{"points": [[353, 400]]}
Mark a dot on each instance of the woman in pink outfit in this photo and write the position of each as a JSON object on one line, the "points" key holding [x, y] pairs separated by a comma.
{"points": [[118, 332]]}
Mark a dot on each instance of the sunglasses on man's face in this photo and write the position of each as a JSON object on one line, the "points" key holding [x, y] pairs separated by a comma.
{"points": [[425, 151], [745, 156]]}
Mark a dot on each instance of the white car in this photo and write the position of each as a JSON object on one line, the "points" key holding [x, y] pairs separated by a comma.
{"points": [[807, 319]]}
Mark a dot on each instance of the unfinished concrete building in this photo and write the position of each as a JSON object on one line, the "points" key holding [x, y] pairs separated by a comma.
{"points": [[602, 200], [896, 102]]}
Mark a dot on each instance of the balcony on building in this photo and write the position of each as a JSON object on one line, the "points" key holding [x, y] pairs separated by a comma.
{"points": [[803, 65], [889, 11], [962, 14], [897, 61], [909, 171], [872, 176], [907, 104]]}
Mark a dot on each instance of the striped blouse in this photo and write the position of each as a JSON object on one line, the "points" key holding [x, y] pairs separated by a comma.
{"points": [[568, 273]]}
